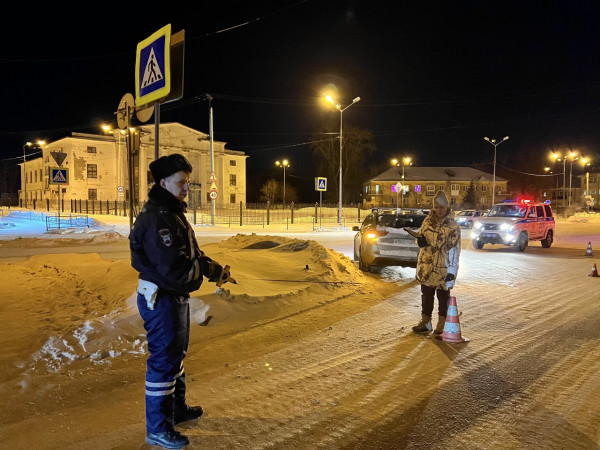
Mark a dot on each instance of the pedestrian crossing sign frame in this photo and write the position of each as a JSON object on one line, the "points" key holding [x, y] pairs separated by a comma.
{"points": [[59, 175], [153, 67], [320, 184]]}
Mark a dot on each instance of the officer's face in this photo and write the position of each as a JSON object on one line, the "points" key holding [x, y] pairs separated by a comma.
{"points": [[177, 184]]}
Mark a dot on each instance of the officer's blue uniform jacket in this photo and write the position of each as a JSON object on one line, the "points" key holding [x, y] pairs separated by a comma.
{"points": [[165, 252]]}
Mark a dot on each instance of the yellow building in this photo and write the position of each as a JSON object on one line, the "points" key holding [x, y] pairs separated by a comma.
{"points": [[420, 184], [97, 167]]}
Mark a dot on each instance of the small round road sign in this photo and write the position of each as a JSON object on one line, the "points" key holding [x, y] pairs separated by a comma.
{"points": [[213, 194]]}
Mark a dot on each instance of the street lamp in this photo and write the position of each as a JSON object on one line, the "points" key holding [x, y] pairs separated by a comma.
{"points": [[283, 164], [406, 161], [564, 159], [339, 107], [571, 176], [38, 144], [495, 144]]}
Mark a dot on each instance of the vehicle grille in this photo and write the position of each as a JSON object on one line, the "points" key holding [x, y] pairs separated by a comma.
{"points": [[490, 226]]}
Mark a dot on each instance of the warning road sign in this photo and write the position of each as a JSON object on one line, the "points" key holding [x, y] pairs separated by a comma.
{"points": [[59, 176], [153, 67]]}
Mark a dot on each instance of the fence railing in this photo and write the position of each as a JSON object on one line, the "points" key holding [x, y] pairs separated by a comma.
{"points": [[262, 214]]}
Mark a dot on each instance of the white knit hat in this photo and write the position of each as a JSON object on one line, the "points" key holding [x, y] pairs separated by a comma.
{"points": [[440, 199]]}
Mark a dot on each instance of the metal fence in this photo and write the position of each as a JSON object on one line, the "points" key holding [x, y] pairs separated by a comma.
{"points": [[261, 214]]}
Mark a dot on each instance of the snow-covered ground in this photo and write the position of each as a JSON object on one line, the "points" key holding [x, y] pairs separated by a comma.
{"points": [[305, 351]]}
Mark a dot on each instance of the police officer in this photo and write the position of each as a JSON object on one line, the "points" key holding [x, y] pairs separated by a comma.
{"points": [[171, 265]]}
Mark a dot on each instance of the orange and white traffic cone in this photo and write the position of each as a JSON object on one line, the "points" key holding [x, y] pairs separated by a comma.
{"points": [[452, 326], [588, 252], [594, 271]]}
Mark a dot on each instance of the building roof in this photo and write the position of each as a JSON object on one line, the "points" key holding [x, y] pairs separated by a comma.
{"points": [[414, 174]]}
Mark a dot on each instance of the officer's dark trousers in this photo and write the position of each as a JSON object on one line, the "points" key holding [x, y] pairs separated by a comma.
{"points": [[167, 331], [427, 298]]}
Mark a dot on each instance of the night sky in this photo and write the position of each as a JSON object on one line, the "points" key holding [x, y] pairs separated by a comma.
{"points": [[434, 78]]}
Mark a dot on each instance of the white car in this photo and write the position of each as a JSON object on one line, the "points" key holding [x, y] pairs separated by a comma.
{"points": [[515, 224], [465, 217]]}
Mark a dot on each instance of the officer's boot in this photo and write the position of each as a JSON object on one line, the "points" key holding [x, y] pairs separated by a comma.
{"points": [[424, 326]]}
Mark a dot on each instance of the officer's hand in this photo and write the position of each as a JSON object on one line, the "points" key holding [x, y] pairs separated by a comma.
{"points": [[215, 272], [422, 241], [450, 277], [223, 276]]}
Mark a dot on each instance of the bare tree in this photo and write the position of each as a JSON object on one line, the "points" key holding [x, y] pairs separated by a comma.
{"points": [[358, 145], [269, 191]]}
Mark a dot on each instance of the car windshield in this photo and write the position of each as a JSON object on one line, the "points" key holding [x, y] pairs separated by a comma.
{"points": [[394, 221], [507, 211]]}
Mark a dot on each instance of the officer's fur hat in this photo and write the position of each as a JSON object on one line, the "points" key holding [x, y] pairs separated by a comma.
{"points": [[168, 165]]}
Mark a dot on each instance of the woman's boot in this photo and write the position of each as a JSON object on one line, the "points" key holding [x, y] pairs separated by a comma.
{"points": [[439, 328], [424, 326]]}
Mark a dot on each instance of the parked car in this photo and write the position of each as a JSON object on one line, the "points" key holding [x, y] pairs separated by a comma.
{"points": [[382, 241], [516, 224], [465, 217]]}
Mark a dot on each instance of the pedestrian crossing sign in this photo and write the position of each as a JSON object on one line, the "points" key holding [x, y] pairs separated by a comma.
{"points": [[320, 184], [59, 175], [153, 67]]}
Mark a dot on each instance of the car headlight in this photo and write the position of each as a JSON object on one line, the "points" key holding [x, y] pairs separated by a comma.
{"points": [[372, 237], [477, 225], [508, 227]]}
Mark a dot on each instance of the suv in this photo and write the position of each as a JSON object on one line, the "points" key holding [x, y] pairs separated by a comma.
{"points": [[382, 241], [515, 224]]}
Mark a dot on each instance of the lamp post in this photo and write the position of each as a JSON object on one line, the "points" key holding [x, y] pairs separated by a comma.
{"points": [[31, 145], [573, 159], [339, 107], [283, 164], [563, 159], [495, 144], [406, 161]]}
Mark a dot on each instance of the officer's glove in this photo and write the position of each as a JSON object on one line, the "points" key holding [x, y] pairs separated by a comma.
{"points": [[214, 272], [221, 276], [422, 241], [450, 277]]}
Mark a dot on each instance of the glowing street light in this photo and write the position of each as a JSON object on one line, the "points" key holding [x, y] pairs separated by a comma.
{"points": [[339, 107], [38, 144], [406, 161], [495, 144], [283, 164]]}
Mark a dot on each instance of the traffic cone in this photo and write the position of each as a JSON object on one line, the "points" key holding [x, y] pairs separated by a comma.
{"points": [[452, 326], [588, 252], [594, 271]]}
